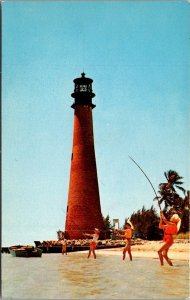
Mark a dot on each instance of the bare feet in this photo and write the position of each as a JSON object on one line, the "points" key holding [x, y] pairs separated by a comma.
{"points": [[168, 261], [130, 256]]}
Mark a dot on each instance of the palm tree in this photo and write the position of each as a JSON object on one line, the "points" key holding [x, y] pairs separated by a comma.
{"points": [[172, 201], [174, 180]]}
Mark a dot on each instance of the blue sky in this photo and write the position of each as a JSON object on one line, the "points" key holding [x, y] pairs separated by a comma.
{"points": [[137, 53]]}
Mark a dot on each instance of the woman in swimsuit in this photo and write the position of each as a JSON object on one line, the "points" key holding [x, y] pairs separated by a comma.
{"points": [[94, 241], [170, 228], [127, 235]]}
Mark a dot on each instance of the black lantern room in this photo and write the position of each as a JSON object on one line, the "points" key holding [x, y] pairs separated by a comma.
{"points": [[83, 91]]}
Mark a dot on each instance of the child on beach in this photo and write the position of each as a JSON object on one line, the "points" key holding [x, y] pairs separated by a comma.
{"points": [[64, 247], [127, 234], [170, 228], [94, 241]]}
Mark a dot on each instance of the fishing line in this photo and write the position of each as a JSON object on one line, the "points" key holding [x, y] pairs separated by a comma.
{"points": [[147, 179]]}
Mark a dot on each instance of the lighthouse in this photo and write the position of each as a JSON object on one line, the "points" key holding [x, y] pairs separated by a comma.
{"points": [[83, 207]]}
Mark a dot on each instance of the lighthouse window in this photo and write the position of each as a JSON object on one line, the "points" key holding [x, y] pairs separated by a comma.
{"points": [[71, 156], [83, 88]]}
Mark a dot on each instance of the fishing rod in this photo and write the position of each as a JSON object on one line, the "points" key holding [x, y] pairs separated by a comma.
{"points": [[147, 179]]}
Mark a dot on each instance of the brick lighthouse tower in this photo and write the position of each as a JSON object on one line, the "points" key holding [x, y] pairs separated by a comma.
{"points": [[83, 209]]}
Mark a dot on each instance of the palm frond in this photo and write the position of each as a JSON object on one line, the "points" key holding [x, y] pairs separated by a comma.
{"points": [[181, 189], [165, 174], [179, 182], [171, 173], [179, 177], [161, 200], [156, 198], [173, 189], [173, 176]]}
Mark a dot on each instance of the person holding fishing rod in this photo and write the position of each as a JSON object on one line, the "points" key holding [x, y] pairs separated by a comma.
{"points": [[170, 228], [94, 241], [127, 234]]}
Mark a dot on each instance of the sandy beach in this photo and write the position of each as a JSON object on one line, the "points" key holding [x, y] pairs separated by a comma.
{"points": [[140, 248], [179, 250]]}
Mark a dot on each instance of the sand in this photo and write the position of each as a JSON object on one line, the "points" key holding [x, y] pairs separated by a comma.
{"points": [[148, 249]]}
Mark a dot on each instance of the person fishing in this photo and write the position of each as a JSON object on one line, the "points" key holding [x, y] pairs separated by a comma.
{"points": [[127, 234], [170, 228], [94, 241]]}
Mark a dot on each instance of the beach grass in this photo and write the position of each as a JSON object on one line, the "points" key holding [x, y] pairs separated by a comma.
{"points": [[182, 235]]}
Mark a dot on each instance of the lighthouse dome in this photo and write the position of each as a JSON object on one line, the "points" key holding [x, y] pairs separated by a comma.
{"points": [[83, 93]]}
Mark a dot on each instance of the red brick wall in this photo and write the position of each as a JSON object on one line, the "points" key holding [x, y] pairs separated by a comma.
{"points": [[83, 211]]}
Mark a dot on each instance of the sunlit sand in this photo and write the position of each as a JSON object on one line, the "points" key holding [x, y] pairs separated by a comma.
{"points": [[178, 251]]}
